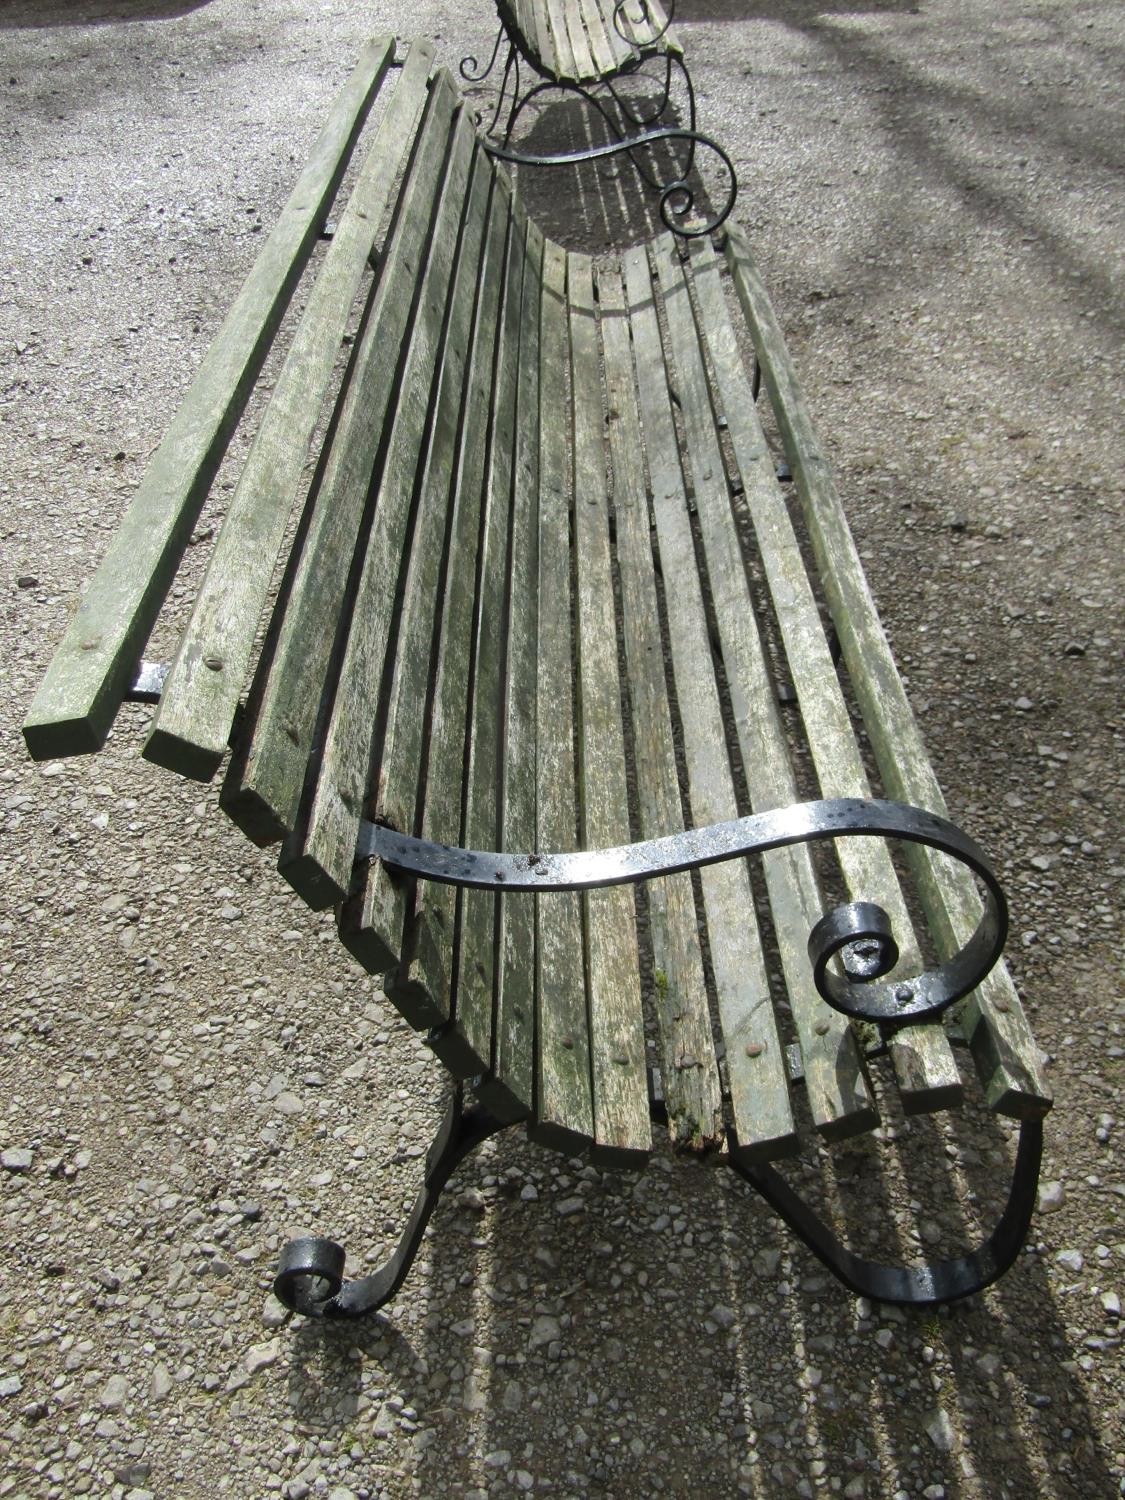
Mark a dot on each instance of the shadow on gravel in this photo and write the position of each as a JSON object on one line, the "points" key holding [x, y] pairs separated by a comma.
{"points": [[564, 1331], [45, 13], [597, 205]]}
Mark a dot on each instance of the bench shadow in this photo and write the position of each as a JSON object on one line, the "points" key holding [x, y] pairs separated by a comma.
{"points": [[42, 14], [676, 1294], [604, 204]]}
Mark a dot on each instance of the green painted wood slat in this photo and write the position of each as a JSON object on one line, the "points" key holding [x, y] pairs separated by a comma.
{"points": [[92, 668], [200, 698]]}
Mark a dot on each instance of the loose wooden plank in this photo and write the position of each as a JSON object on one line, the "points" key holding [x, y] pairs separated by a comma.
{"points": [[757, 1074], [692, 1090], [508, 1088], [564, 1115], [263, 785], [432, 963], [622, 1124], [79, 696], [923, 1060], [200, 696], [402, 566], [1004, 1050], [839, 1095], [483, 826]]}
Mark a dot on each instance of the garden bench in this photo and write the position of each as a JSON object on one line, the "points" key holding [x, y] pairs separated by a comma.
{"points": [[586, 48], [546, 594]]}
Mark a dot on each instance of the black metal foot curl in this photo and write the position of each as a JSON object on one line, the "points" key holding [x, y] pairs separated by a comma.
{"points": [[310, 1274], [930, 1283]]}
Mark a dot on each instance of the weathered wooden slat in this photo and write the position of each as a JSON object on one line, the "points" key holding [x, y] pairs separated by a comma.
{"points": [[563, 63], [400, 572], [838, 1092], [428, 971], [537, 32], [200, 696], [263, 785], [508, 1089], [483, 828], [622, 1123], [602, 55], [584, 65], [1005, 1052], [641, 29], [81, 692], [692, 1090], [564, 1114], [923, 1060], [758, 1078]]}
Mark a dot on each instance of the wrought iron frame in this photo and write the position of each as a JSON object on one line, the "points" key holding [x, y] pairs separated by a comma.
{"points": [[857, 936], [677, 197]]}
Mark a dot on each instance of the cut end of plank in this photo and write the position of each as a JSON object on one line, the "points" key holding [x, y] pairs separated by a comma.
{"points": [[252, 814], [755, 1153], [55, 738], [185, 757], [310, 880], [622, 1158]]}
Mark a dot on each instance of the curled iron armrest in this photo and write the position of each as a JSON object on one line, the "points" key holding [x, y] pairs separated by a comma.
{"points": [[856, 936]]}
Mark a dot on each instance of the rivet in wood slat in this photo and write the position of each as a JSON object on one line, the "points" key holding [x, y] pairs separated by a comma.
{"points": [[1003, 1007], [92, 644], [821, 1028], [214, 663], [621, 1061], [568, 1043], [755, 1049]]}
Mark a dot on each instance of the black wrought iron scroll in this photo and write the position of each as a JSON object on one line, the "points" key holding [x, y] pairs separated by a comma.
{"points": [[655, 32], [856, 935], [677, 198]]}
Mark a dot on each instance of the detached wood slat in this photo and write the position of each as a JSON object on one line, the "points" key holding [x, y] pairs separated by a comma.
{"points": [[200, 696], [92, 668], [838, 1092], [925, 1067], [428, 972], [759, 1081], [617, 1037], [1004, 1050], [263, 785], [564, 1114], [403, 563], [508, 1090], [692, 1091], [476, 970]]}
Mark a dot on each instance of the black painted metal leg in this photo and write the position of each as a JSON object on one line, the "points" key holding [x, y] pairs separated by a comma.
{"points": [[310, 1274], [918, 1286]]}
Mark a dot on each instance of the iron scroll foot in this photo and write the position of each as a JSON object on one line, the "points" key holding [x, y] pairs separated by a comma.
{"points": [[310, 1274], [931, 1283]]}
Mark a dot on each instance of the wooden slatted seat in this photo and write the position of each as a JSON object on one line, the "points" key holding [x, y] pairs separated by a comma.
{"points": [[544, 594]]}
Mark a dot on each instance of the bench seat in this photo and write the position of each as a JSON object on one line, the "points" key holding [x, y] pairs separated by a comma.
{"points": [[546, 591]]}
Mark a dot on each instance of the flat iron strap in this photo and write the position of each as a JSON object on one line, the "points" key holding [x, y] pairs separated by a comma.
{"points": [[857, 934]]}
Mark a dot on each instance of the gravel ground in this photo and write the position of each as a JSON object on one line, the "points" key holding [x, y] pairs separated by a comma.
{"points": [[191, 1068]]}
